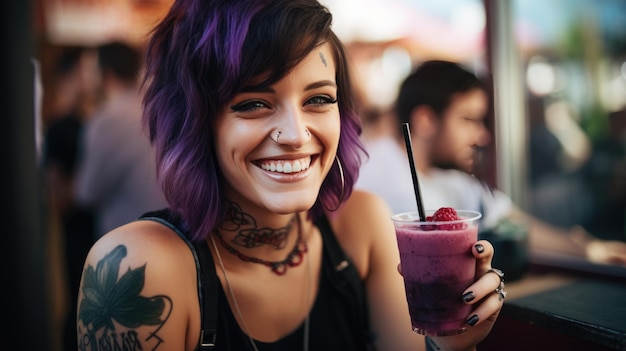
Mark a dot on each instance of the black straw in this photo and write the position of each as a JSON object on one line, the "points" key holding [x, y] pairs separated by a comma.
{"points": [[416, 184]]}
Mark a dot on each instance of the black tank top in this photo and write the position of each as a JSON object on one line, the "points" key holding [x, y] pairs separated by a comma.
{"points": [[338, 320]]}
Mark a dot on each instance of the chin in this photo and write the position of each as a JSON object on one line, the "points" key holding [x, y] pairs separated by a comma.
{"points": [[292, 205]]}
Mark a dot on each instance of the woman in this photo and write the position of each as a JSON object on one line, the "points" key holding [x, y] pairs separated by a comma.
{"points": [[250, 110]]}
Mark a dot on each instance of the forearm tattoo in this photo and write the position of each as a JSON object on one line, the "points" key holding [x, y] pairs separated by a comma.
{"points": [[108, 303], [249, 235]]}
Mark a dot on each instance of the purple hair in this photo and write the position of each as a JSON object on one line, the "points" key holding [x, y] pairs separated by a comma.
{"points": [[198, 59]]}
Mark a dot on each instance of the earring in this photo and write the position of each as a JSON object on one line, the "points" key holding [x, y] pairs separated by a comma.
{"points": [[306, 130], [343, 185]]}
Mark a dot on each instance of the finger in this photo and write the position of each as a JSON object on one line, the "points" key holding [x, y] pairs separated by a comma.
{"points": [[484, 286], [487, 279], [617, 260], [483, 251], [487, 310]]}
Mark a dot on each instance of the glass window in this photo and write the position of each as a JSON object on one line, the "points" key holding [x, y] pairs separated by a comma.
{"points": [[574, 57]]}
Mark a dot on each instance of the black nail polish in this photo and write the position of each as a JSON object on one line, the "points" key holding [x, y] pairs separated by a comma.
{"points": [[480, 248], [468, 296], [472, 320]]}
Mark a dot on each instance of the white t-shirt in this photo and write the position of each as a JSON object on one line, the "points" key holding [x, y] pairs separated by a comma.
{"points": [[387, 174]]}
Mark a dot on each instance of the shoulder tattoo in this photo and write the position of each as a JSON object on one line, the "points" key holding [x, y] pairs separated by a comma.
{"points": [[112, 313]]}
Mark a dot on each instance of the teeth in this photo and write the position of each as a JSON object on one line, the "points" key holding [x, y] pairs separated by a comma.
{"points": [[287, 166]]}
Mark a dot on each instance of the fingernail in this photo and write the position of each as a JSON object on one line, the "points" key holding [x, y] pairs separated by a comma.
{"points": [[480, 248], [472, 320], [468, 296]]}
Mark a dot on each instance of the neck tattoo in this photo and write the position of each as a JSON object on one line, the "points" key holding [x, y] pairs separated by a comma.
{"points": [[249, 235], [293, 259], [305, 338]]}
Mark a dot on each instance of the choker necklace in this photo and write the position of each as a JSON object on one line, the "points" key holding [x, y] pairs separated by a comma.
{"points": [[293, 259], [305, 338]]}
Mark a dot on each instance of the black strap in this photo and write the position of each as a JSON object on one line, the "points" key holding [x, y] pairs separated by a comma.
{"points": [[347, 282], [208, 297], [206, 275]]}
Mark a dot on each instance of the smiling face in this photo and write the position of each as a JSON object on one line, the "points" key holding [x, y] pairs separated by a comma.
{"points": [[461, 130], [285, 176]]}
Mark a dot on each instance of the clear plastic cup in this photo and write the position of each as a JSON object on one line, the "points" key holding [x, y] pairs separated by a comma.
{"points": [[437, 265]]}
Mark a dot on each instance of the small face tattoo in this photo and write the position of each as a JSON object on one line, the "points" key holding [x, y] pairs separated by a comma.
{"points": [[323, 60]]}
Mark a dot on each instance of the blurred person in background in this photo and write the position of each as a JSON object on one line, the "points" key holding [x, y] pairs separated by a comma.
{"points": [[445, 106], [69, 97], [117, 172]]}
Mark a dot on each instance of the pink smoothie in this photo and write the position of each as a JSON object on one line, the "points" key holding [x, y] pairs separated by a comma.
{"points": [[437, 266]]}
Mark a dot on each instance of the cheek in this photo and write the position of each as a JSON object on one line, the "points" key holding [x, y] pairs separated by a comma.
{"points": [[327, 130], [232, 143], [335, 131], [461, 135], [445, 139], [222, 145], [334, 127]]}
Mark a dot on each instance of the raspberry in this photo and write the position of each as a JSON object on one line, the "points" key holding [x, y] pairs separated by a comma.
{"points": [[444, 214]]}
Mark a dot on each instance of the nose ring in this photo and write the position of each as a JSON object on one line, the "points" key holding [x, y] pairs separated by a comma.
{"points": [[274, 136], [277, 135]]}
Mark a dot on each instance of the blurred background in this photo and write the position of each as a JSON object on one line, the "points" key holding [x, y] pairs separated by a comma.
{"points": [[558, 70]]}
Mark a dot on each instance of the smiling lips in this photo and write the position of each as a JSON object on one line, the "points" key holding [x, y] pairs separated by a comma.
{"points": [[286, 166]]}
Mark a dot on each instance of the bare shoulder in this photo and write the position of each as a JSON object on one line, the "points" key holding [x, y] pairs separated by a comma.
{"points": [[138, 288], [360, 224], [363, 209], [145, 239]]}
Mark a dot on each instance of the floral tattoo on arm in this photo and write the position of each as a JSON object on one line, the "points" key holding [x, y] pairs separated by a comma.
{"points": [[108, 302]]}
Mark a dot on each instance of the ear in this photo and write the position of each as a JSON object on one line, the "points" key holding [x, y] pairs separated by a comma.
{"points": [[424, 122]]}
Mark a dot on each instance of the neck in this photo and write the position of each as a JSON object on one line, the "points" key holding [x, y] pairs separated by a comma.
{"points": [[276, 247], [251, 232], [420, 155]]}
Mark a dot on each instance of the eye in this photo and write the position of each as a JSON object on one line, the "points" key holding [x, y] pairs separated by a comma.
{"points": [[249, 106], [321, 100]]}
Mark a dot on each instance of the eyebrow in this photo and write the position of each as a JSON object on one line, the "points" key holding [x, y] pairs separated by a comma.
{"points": [[322, 83], [314, 85]]}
